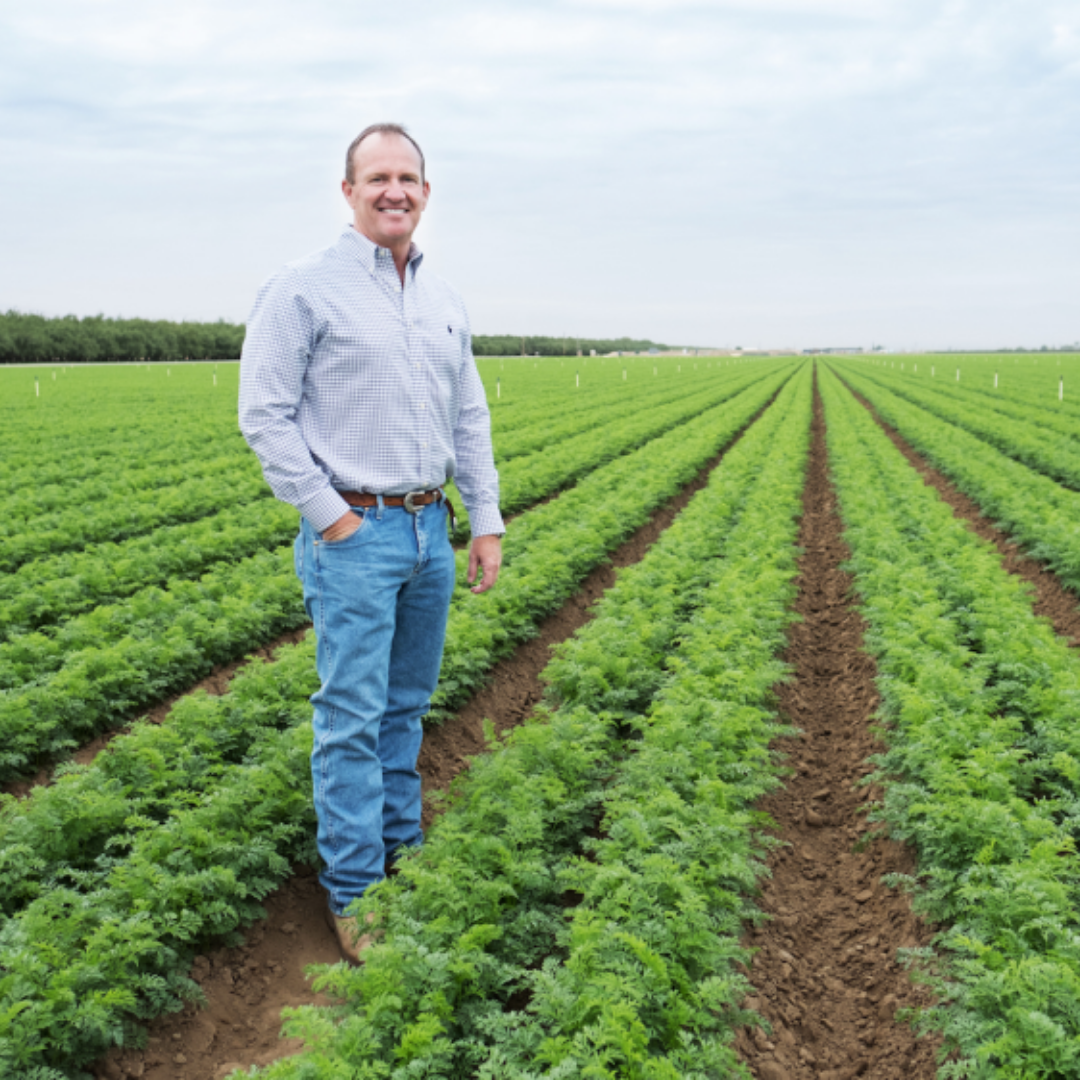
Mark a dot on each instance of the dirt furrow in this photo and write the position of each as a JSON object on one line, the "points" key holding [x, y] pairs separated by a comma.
{"points": [[247, 987], [1052, 600], [826, 975]]}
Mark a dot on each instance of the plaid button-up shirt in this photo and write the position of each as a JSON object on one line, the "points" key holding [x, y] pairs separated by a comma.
{"points": [[351, 381]]}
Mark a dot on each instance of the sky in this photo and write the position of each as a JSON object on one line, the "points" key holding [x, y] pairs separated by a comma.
{"points": [[759, 173]]}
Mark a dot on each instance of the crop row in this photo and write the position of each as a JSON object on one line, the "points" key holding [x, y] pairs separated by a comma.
{"points": [[151, 614], [48, 589], [67, 449], [117, 660], [1056, 456], [997, 401], [51, 591], [93, 465], [538, 429], [1041, 514], [1040, 392], [529, 477], [34, 506], [128, 515], [90, 464], [186, 867], [94, 438], [577, 911], [983, 763]]}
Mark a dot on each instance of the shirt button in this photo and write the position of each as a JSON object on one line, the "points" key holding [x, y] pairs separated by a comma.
{"points": [[422, 405]]}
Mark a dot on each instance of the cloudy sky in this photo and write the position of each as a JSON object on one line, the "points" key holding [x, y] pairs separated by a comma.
{"points": [[724, 172]]}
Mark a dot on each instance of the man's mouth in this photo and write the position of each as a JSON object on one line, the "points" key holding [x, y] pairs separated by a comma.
{"points": [[392, 210]]}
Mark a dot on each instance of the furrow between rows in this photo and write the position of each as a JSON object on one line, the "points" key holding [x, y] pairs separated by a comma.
{"points": [[255, 815]]}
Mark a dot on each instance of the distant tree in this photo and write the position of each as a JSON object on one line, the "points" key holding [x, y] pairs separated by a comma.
{"points": [[27, 338]]}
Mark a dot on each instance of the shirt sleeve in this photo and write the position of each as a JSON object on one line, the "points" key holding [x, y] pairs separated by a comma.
{"points": [[281, 333], [475, 473]]}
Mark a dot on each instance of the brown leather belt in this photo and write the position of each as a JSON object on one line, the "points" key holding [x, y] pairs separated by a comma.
{"points": [[412, 501]]}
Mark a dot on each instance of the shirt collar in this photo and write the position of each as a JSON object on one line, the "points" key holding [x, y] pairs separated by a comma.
{"points": [[370, 253]]}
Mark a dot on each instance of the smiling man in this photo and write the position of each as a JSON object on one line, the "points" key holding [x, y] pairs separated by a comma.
{"points": [[361, 398]]}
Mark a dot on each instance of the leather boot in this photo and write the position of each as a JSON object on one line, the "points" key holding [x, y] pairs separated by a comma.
{"points": [[351, 942]]}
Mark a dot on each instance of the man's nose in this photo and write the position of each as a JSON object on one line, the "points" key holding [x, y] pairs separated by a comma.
{"points": [[395, 190]]}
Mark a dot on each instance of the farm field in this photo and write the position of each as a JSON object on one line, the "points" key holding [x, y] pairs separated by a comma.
{"points": [[763, 751]]}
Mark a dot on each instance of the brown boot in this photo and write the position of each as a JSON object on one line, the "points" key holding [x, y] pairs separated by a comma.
{"points": [[350, 941]]}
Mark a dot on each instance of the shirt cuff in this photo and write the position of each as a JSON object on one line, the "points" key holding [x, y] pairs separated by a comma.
{"points": [[486, 521], [323, 510]]}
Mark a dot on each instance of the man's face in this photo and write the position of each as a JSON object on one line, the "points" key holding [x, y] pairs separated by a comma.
{"points": [[387, 195]]}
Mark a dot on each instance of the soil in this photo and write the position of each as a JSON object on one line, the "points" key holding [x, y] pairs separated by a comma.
{"points": [[216, 683], [1051, 599], [247, 987], [826, 976]]}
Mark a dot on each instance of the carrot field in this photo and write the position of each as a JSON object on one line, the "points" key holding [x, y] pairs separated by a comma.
{"points": [[762, 759]]}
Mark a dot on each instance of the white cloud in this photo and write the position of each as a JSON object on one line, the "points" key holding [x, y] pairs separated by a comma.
{"points": [[708, 166]]}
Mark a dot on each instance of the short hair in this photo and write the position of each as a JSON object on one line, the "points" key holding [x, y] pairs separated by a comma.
{"points": [[379, 129]]}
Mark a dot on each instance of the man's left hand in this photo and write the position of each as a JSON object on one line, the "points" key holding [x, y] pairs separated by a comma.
{"points": [[485, 555]]}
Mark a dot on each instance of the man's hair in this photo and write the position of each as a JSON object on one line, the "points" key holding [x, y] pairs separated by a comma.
{"points": [[379, 129]]}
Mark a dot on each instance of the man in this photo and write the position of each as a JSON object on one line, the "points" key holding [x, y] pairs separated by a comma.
{"points": [[361, 398]]}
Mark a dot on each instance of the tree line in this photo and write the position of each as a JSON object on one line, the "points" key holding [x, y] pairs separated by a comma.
{"points": [[34, 339], [29, 339], [509, 345]]}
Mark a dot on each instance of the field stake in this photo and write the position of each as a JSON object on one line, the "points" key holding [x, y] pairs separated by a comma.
{"points": [[37, 388], [498, 387], [957, 374], [577, 379], [1061, 388], [995, 380]]}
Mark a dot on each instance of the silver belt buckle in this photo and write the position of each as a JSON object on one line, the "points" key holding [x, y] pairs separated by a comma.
{"points": [[410, 506]]}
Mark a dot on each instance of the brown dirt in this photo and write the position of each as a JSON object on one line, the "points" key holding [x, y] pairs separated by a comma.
{"points": [[246, 988], [1051, 600], [216, 683], [826, 975]]}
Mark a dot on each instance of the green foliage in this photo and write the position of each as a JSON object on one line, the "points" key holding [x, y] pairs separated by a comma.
{"points": [[1054, 453], [96, 670], [509, 345], [576, 911], [29, 339], [980, 701], [181, 831], [1041, 514]]}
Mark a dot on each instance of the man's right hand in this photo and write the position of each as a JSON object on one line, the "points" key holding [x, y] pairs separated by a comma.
{"points": [[343, 528]]}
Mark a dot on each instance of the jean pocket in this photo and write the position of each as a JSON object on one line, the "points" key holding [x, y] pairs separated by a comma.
{"points": [[352, 537]]}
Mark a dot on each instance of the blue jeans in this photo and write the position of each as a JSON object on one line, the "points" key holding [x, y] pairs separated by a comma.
{"points": [[379, 601]]}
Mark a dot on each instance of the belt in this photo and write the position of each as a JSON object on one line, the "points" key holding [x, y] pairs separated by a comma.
{"points": [[411, 501]]}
